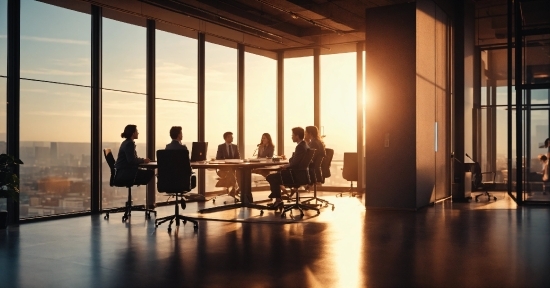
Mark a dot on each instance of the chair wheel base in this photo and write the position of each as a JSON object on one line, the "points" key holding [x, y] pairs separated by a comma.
{"points": [[106, 217]]}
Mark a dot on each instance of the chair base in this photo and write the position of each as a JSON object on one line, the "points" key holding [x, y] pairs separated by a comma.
{"points": [[324, 202], [177, 217], [351, 191], [128, 208], [486, 193], [299, 206]]}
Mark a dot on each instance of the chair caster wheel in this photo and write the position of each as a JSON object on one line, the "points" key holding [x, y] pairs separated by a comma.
{"points": [[124, 218], [156, 226], [196, 227], [477, 200], [495, 198], [224, 202], [183, 205], [106, 217], [332, 208], [261, 212], [184, 222], [319, 212], [213, 201], [283, 215]]}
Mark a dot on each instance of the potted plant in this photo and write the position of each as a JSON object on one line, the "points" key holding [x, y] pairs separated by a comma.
{"points": [[9, 183]]}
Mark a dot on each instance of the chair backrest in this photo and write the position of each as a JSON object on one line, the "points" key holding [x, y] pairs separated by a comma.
{"points": [[174, 171], [111, 162], [477, 177], [349, 171], [315, 171], [325, 165]]}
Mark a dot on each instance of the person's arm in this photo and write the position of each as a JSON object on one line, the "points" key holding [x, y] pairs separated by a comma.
{"points": [[299, 154], [269, 152], [236, 154], [219, 154]]}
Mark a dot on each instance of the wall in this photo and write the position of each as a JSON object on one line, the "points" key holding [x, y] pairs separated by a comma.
{"points": [[391, 100]]}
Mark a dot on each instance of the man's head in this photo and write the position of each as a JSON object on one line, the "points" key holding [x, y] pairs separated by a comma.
{"points": [[228, 137], [175, 133], [297, 134]]}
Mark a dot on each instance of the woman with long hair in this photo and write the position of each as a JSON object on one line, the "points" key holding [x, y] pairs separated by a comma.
{"points": [[127, 162], [314, 141], [266, 147]]}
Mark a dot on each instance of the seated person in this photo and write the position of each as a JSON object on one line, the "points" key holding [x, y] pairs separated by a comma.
{"points": [[545, 173], [275, 178], [176, 135], [265, 150], [127, 162], [228, 150], [266, 147]]}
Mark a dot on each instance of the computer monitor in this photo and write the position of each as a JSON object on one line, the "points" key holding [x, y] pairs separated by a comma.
{"points": [[198, 151]]}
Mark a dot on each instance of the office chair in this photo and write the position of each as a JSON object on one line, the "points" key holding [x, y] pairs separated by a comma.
{"points": [[295, 178], [174, 176], [478, 184], [316, 176], [128, 208], [227, 179], [349, 171]]}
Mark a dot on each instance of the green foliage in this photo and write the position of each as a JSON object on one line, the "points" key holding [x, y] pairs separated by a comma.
{"points": [[9, 182]]}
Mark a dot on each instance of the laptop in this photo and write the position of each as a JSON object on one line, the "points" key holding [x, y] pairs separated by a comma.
{"points": [[198, 151]]}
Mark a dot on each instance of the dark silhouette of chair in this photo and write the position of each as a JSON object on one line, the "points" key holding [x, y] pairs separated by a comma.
{"points": [[128, 208], [325, 165], [295, 178], [174, 176], [479, 185], [316, 176], [349, 171]]}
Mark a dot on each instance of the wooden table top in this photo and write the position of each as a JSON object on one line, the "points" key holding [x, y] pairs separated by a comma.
{"points": [[224, 164]]}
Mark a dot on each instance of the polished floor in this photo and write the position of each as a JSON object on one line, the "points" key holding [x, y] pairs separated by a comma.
{"points": [[449, 244]]}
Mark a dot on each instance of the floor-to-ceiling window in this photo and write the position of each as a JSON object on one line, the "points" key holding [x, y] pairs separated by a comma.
{"points": [[339, 109], [176, 86], [298, 102], [3, 75], [260, 103], [221, 100], [124, 94], [55, 109]]}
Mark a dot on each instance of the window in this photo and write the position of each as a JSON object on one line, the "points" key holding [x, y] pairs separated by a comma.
{"points": [[124, 68], [55, 50], [3, 37], [298, 100], [339, 109], [55, 147], [55, 118], [260, 101], [221, 100]]}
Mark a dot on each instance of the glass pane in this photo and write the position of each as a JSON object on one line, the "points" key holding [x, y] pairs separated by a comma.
{"points": [[3, 37], [260, 101], [176, 67], [3, 122], [221, 100], [55, 147], [124, 56], [298, 105], [339, 109], [119, 110], [55, 43]]}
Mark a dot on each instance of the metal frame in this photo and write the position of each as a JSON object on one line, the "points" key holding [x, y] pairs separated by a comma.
{"points": [[96, 113], [519, 91], [13, 98], [317, 88], [280, 102], [150, 106], [240, 98], [201, 103]]}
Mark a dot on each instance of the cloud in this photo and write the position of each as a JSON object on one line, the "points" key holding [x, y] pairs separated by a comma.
{"points": [[55, 40]]}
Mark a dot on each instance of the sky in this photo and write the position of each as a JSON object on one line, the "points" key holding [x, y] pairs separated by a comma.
{"points": [[55, 46]]}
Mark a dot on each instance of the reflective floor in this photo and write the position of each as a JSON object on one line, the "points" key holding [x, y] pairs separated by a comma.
{"points": [[444, 245]]}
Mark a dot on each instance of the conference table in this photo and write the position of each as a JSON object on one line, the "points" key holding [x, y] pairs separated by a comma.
{"points": [[245, 168]]}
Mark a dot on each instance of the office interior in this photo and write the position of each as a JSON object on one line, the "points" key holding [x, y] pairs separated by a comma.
{"points": [[414, 88]]}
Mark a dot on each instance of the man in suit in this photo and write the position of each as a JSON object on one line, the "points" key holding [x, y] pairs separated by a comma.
{"points": [[176, 135], [228, 178], [299, 153], [228, 150]]}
